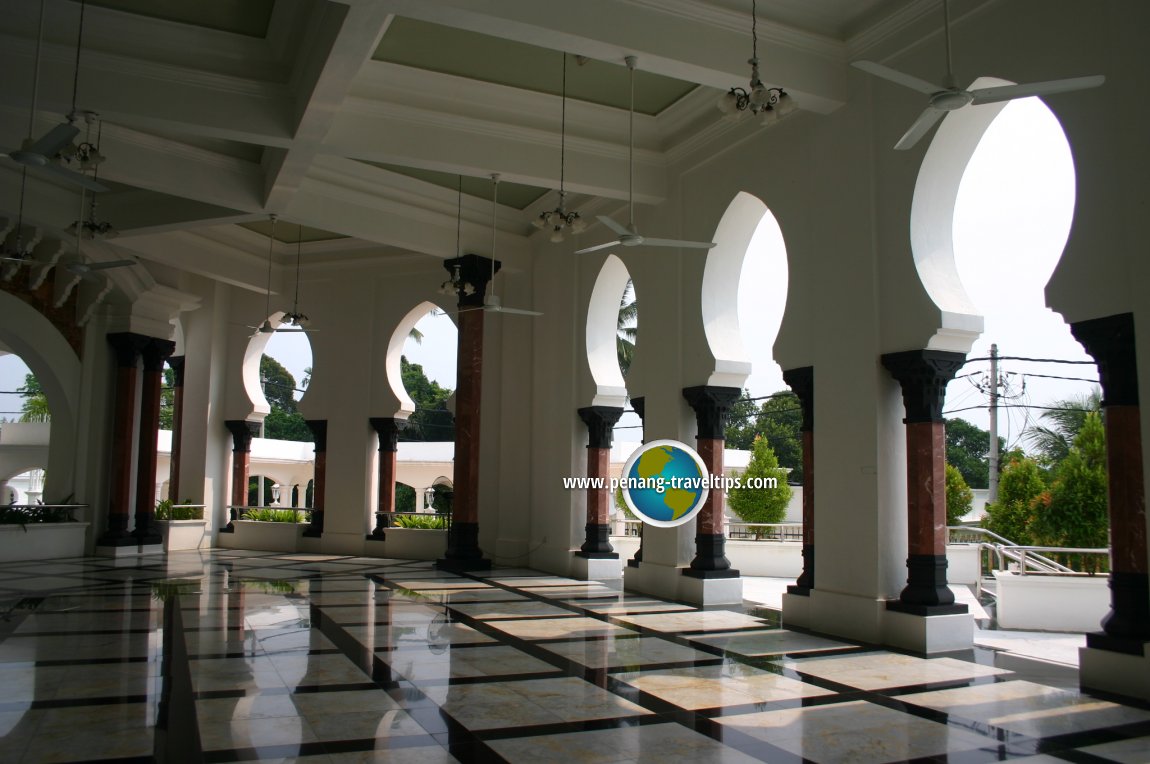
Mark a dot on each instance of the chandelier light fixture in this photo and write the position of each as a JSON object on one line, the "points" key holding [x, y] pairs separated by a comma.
{"points": [[559, 221], [86, 156], [294, 317], [456, 285], [772, 104]]}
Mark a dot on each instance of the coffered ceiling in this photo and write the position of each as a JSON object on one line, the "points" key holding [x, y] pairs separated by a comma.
{"points": [[356, 117]]}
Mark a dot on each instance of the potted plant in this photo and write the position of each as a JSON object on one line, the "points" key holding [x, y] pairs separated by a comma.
{"points": [[182, 525], [41, 531], [268, 529]]}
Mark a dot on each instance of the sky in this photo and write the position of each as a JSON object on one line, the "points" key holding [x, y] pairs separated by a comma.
{"points": [[1012, 218]]}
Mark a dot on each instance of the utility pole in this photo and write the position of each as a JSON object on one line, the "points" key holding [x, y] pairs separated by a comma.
{"points": [[993, 492]]}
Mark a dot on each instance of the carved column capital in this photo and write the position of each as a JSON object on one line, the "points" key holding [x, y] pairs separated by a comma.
{"points": [[600, 421], [127, 347], [475, 270], [155, 352], [923, 375], [242, 433], [1110, 342], [177, 364], [802, 384], [388, 430], [711, 404]]}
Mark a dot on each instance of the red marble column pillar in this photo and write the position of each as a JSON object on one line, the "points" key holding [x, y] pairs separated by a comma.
{"points": [[600, 421], [1110, 340], [126, 347], [711, 405], [923, 375], [176, 362], [802, 383], [242, 434], [471, 274], [154, 352], [318, 429], [388, 429]]}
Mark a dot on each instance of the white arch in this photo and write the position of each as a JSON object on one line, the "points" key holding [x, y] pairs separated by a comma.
{"points": [[250, 371], [602, 330], [395, 352], [746, 219], [932, 219]]}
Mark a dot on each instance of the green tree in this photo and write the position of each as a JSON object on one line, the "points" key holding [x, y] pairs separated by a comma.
{"points": [[741, 421], [168, 400], [431, 420], [1054, 440], [959, 497], [404, 498], [1073, 513], [1019, 487], [968, 449], [761, 504], [35, 405], [627, 328], [780, 423], [283, 422]]}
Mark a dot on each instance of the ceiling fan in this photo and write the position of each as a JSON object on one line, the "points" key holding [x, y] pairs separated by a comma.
{"points": [[628, 235], [950, 97], [40, 154], [293, 318], [83, 267], [491, 301]]}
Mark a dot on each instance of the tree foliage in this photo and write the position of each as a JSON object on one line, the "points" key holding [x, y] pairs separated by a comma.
{"points": [[1073, 513], [283, 422], [959, 497], [168, 400], [1018, 488], [778, 420], [431, 420], [741, 422], [627, 327], [35, 405], [1054, 439], [968, 449], [761, 505]]}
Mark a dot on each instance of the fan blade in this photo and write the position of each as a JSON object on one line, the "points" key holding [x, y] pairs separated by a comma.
{"points": [[616, 227], [677, 243], [68, 176], [515, 311], [897, 77], [1025, 90], [111, 264], [597, 247], [21, 260], [925, 122], [54, 140], [298, 331]]}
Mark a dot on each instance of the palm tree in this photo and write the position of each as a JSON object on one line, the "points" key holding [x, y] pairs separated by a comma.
{"points": [[35, 406], [627, 328], [1066, 418]]}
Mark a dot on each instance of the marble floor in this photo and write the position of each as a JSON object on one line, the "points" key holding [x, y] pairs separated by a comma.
{"points": [[233, 656]]}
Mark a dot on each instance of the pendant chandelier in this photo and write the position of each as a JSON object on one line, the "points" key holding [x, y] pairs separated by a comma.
{"points": [[559, 221], [771, 103]]}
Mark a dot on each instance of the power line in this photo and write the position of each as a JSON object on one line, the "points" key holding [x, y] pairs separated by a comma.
{"points": [[1032, 360]]}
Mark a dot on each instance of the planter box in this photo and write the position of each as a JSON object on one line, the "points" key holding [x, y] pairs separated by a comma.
{"points": [[42, 541], [1052, 603], [264, 536], [181, 535], [409, 544]]}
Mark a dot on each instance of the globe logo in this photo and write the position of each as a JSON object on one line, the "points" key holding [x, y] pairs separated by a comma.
{"points": [[665, 483]]}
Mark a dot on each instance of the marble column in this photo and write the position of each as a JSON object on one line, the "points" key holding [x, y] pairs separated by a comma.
{"points": [[639, 404], [126, 347], [388, 430], [802, 383], [154, 353], [923, 375], [177, 364], [242, 434], [463, 552], [711, 404], [318, 429], [600, 421], [1110, 341]]}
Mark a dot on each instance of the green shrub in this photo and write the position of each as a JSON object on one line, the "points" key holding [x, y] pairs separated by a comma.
{"points": [[276, 515], [422, 522], [34, 515], [165, 510]]}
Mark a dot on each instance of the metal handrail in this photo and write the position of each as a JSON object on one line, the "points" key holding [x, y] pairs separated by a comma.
{"points": [[1042, 563], [772, 531]]}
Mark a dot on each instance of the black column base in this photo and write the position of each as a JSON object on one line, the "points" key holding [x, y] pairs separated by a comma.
{"points": [[463, 552], [806, 580], [1103, 641], [117, 532], [638, 558], [708, 574], [315, 528], [926, 592], [710, 555], [1128, 621], [146, 531], [598, 543]]}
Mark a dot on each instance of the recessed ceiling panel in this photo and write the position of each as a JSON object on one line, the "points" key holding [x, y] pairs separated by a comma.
{"points": [[515, 195], [289, 233], [246, 17], [463, 53]]}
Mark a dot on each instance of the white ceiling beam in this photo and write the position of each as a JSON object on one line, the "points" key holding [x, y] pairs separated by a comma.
{"points": [[143, 213], [344, 38], [810, 68]]}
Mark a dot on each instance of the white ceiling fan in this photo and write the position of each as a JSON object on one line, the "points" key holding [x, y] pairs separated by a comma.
{"points": [[628, 235], [950, 97], [40, 154], [294, 318]]}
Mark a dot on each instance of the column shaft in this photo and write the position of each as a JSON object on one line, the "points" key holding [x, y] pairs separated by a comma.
{"points": [[120, 467], [154, 354], [600, 421], [711, 405], [802, 383], [177, 364], [242, 434], [318, 429], [388, 430]]}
